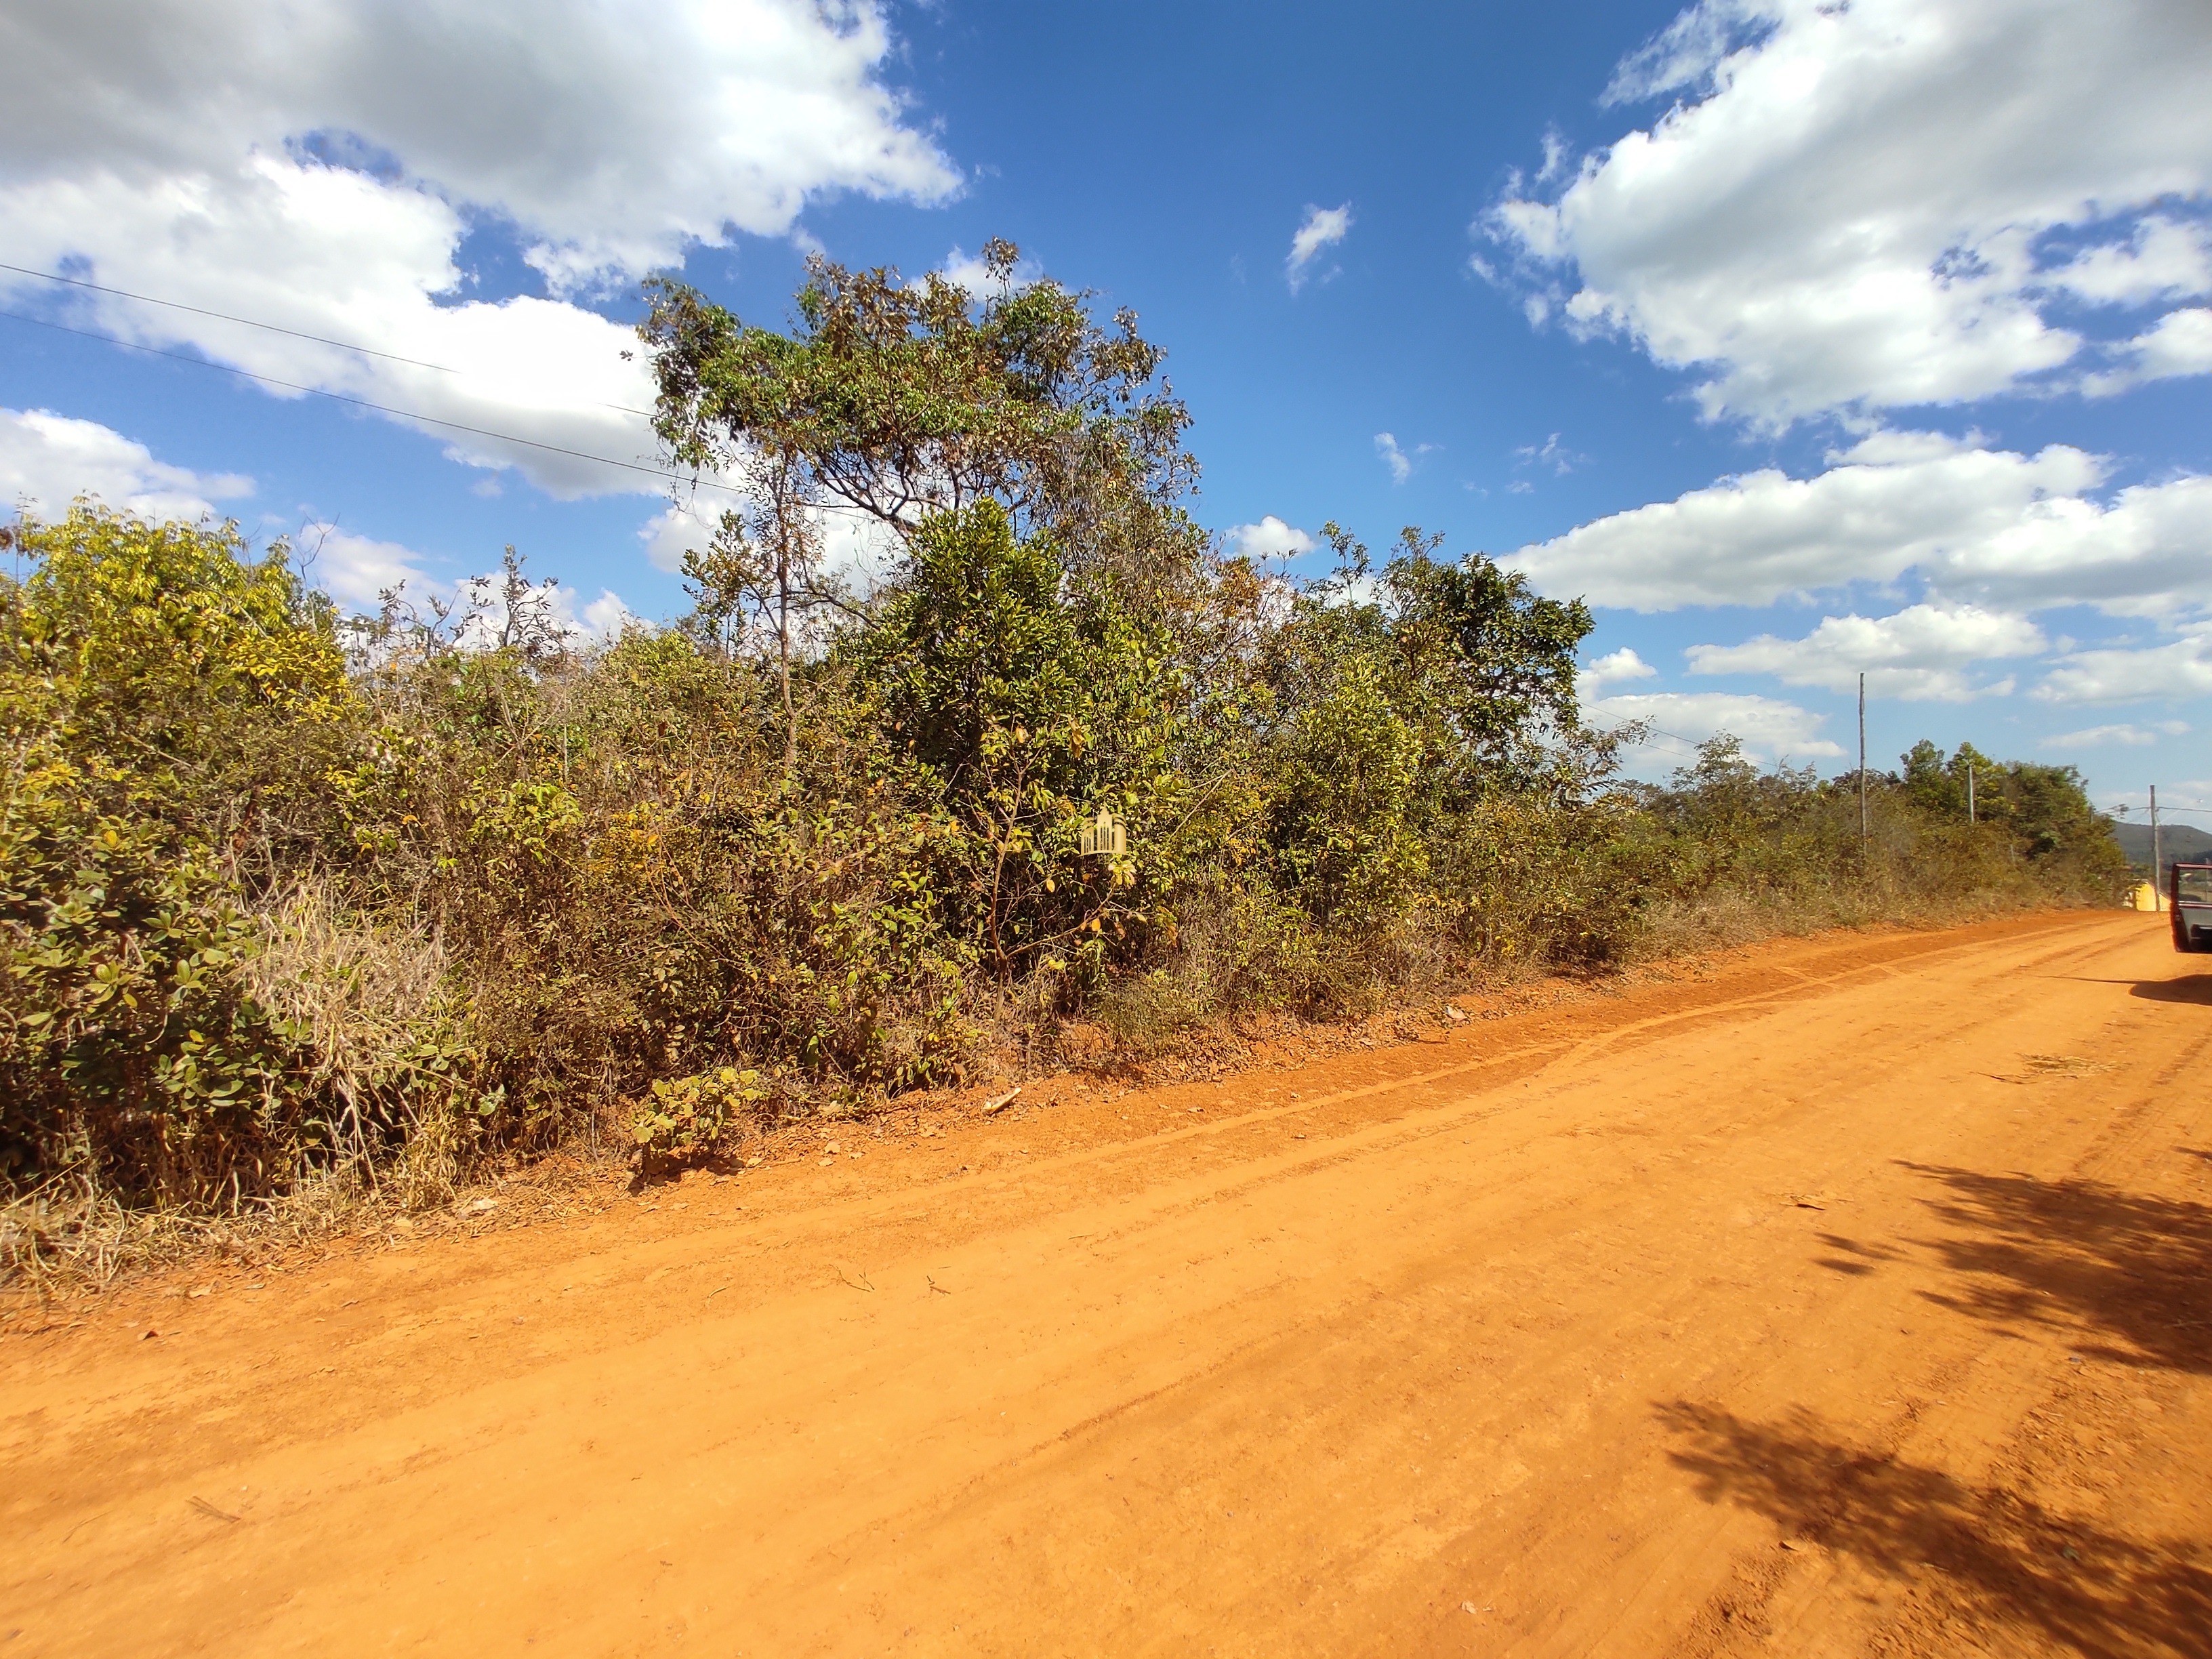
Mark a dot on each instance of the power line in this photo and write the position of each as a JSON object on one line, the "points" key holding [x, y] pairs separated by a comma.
{"points": [[273, 328], [1689, 746], [381, 408], [1686, 746], [1653, 732], [223, 316]]}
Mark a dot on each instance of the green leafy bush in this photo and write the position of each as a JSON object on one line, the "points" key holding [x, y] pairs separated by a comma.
{"points": [[683, 1117]]}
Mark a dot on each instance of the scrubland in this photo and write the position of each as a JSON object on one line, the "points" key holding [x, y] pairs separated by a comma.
{"points": [[300, 911]]}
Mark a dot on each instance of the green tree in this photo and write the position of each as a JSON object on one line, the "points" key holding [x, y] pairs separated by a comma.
{"points": [[901, 398], [1027, 714], [1938, 783], [1412, 699]]}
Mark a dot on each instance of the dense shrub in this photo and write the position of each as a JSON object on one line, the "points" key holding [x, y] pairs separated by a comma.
{"points": [[281, 896], [1727, 851], [167, 705], [635, 887]]}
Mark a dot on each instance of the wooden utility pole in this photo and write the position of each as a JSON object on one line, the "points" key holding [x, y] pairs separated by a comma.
{"points": [[1863, 800], [2157, 864]]}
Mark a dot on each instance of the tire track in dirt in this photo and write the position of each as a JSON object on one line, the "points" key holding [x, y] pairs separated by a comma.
{"points": [[1544, 1349]]}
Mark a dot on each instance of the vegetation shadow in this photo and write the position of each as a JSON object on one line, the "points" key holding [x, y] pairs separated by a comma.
{"points": [[2008, 1565], [2083, 1257], [1851, 1256]]}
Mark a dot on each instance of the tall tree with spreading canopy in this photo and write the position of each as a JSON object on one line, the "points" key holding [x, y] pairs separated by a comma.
{"points": [[897, 399]]}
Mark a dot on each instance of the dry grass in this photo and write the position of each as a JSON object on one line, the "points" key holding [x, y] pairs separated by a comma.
{"points": [[372, 1001], [1732, 916], [71, 1235], [372, 997]]}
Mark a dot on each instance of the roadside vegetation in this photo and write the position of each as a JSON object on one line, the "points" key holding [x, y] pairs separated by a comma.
{"points": [[294, 901]]}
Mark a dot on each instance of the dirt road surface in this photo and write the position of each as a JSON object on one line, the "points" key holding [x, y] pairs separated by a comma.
{"points": [[1848, 1297]]}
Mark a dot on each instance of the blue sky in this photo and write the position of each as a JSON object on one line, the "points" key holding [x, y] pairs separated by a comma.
{"points": [[1802, 340]]}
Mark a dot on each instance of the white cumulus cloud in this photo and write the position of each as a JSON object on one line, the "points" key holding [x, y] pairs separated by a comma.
{"points": [[598, 622], [680, 528], [47, 460], [2164, 259], [2180, 344], [1615, 668], [1399, 463], [1321, 229], [1271, 538], [856, 548], [1920, 653], [2178, 669], [2127, 736], [316, 166], [1769, 728], [1853, 208], [968, 271], [1994, 527], [480, 610], [357, 570]]}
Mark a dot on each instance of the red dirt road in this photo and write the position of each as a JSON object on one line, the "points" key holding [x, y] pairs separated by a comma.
{"points": [[1851, 1298]]}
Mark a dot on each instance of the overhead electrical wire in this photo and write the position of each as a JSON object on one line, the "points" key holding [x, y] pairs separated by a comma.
{"points": [[223, 316], [1687, 745], [272, 328], [381, 408]]}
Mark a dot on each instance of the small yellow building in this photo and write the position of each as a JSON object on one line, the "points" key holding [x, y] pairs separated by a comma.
{"points": [[2144, 898]]}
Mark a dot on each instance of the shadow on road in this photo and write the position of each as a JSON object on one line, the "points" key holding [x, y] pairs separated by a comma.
{"points": [[2196, 987], [2080, 1258], [2115, 1274], [1853, 1257], [2007, 1563]]}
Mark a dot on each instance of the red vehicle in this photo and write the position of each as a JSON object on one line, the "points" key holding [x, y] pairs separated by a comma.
{"points": [[2189, 894]]}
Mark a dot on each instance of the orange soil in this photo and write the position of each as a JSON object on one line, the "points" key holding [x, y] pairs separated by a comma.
{"points": [[1851, 1298]]}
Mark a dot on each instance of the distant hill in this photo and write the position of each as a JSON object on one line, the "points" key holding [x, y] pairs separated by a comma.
{"points": [[2177, 842]]}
